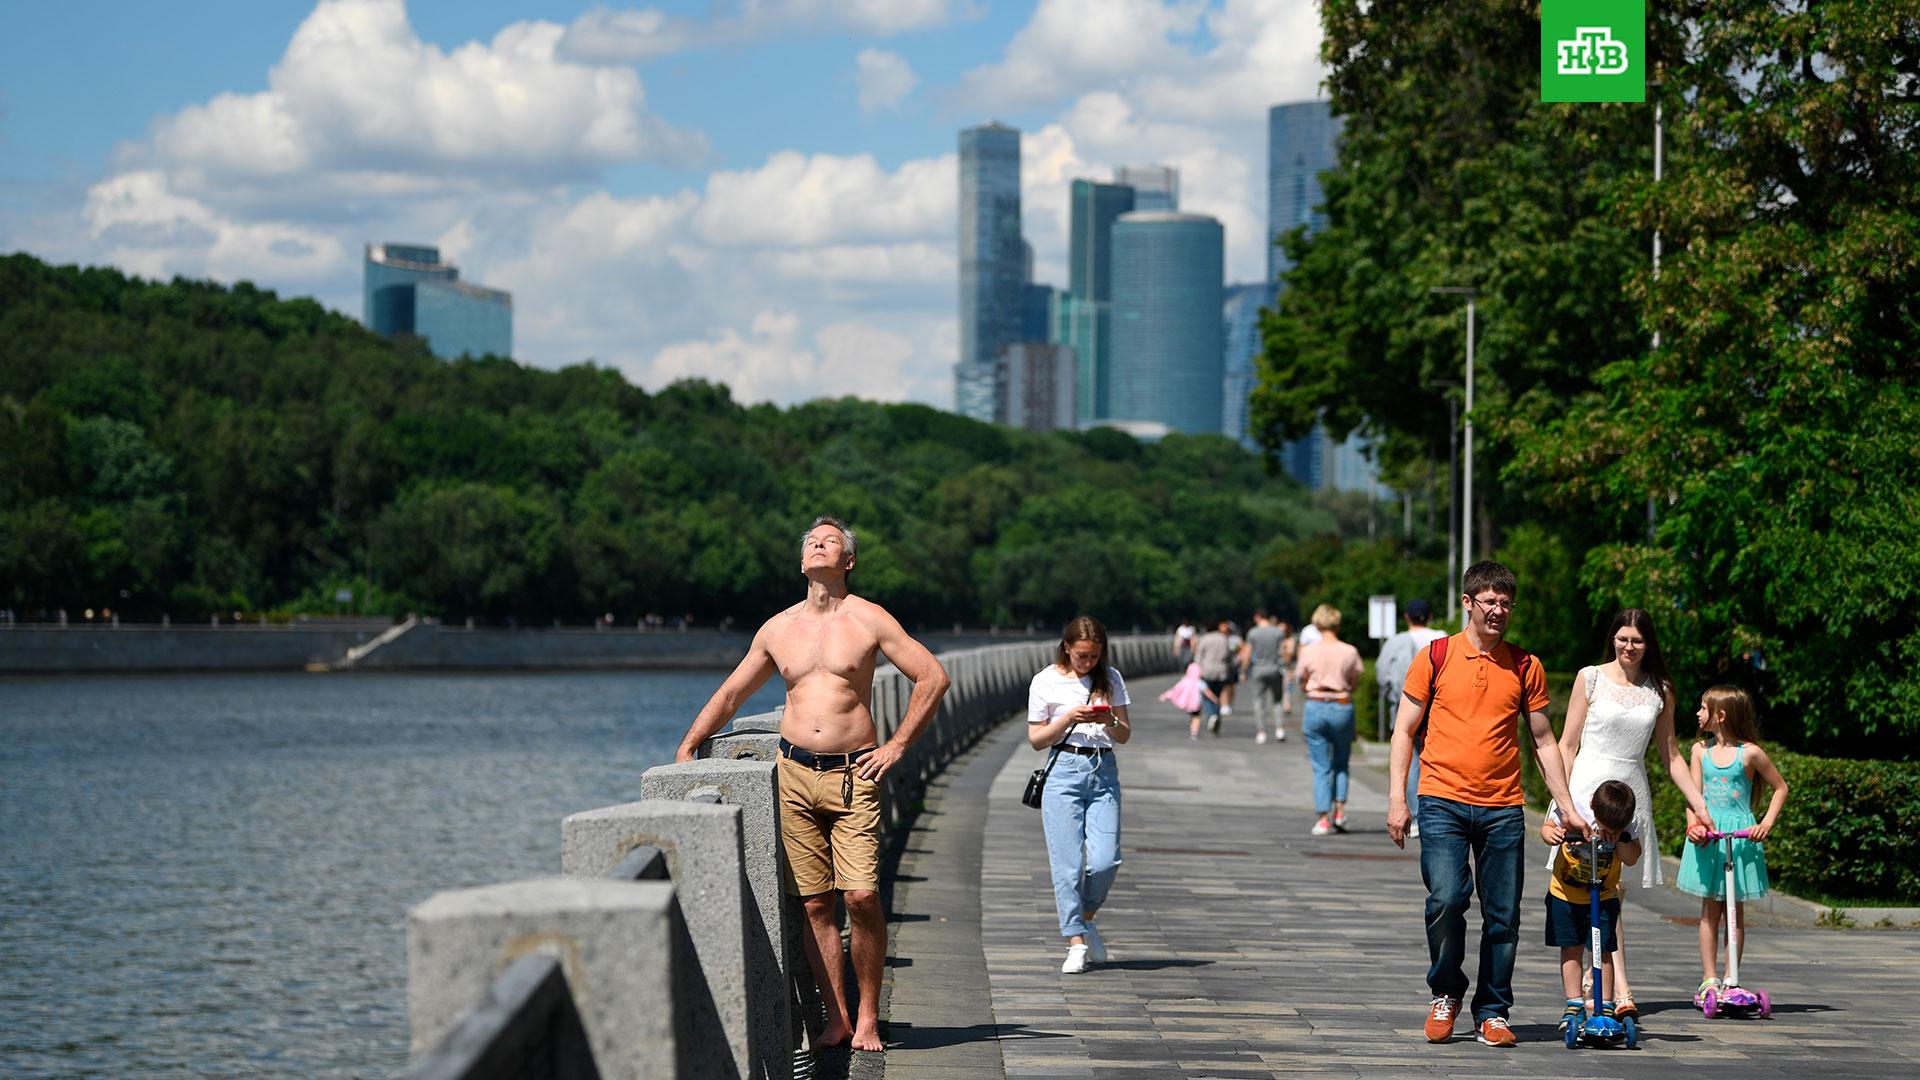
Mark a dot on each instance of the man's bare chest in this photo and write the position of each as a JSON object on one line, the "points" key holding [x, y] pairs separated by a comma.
{"points": [[837, 646]]}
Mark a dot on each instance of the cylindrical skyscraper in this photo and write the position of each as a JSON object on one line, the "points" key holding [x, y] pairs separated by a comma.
{"points": [[1168, 335]]}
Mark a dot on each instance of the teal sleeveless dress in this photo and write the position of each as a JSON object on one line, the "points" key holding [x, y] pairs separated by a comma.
{"points": [[1703, 868]]}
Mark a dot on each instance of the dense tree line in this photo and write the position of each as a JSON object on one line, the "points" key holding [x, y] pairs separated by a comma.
{"points": [[1750, 478], [184, 448]]}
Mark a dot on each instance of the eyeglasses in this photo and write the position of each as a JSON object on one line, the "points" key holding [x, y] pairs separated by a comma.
{"points": [[1491, 605]]}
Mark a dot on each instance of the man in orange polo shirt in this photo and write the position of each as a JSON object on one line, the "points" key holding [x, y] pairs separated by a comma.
{"points": [[1471, 804]]}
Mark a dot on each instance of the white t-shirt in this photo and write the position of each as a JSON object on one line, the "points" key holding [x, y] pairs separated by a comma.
{"points": [[1308, 635], [1053, 691]]}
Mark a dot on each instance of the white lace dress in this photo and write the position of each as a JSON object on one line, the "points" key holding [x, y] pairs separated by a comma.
{"points": [[1613, 746]]}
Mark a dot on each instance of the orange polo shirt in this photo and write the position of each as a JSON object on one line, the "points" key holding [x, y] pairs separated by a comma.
{"points": [[1472, 751]]}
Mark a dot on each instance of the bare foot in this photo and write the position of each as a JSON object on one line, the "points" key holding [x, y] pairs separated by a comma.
{"points": [[836, 1034], [867, 1037]]}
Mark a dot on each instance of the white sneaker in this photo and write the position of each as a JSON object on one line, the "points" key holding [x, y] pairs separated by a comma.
{"points": [[1260, 737], [1280, 734], [1321, 828], [1226, 710], [1096, 945], [1076, 960]]}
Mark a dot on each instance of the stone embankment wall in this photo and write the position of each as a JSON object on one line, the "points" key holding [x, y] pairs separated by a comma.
{"points": [[701, 975]]}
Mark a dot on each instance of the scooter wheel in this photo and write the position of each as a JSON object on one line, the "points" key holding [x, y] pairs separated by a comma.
{"points": [[1572, 1035], [1633, 1031], [1710, 1004], [1766, 1005]]}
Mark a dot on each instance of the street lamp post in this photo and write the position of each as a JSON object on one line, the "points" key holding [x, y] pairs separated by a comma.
{"points": [[1453, 492], [1466, 477]]}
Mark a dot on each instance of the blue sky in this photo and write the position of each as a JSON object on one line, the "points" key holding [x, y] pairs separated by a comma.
{"points": [[756, 191]]}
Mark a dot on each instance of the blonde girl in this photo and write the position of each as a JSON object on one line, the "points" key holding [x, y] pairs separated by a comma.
{"points": [[1726, 761]]}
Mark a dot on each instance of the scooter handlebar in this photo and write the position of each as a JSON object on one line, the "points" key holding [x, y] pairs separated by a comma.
{"points": [[1738, 834]]}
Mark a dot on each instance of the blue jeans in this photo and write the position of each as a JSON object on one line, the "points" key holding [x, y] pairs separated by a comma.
{"points": [[1496, 838], [1081, 813], [1329, 731]]}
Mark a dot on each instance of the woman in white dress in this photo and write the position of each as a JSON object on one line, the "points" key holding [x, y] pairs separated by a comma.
{"points": [[1617, 708]]}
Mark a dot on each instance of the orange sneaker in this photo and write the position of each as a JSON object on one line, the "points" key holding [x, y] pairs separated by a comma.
{"points": [[1495, 1032], [1440, 1014]]}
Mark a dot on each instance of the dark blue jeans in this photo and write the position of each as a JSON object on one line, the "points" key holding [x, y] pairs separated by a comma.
{"points": [[1495, 837]]}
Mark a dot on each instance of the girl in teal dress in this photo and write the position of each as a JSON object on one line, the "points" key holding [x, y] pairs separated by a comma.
{"points": [[1725, 764]]}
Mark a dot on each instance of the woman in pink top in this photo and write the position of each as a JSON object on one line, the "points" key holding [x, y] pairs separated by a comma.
{"points": [[1328, 670]]}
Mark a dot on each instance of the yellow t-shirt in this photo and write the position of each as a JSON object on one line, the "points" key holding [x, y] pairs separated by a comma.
{"points": [[1573, 872]]}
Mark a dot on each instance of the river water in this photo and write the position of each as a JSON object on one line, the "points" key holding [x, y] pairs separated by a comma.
{"points": [[210, 875]]}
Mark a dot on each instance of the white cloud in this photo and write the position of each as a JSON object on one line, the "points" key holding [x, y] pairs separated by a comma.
{"points": [[800, 199], [638, 35], [358, 104], [772, 362], [1071, 45], [138, 224], [884, 79]]}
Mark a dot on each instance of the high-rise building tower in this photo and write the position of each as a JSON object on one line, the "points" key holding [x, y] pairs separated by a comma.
{"points": [[993, 257], [1168, 343], [1037, 381], [1300, 146], [1081, 316], [1242, 318], [408, 290], [1155, 187]]}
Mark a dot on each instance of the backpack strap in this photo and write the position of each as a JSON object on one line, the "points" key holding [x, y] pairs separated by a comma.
{"points": [[1436, 656]]}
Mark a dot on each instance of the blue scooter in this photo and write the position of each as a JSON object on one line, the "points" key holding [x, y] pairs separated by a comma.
{"points": [[1592, 1027]]}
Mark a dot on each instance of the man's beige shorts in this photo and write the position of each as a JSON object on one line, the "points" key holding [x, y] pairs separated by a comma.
{"points": [[830, 845]]}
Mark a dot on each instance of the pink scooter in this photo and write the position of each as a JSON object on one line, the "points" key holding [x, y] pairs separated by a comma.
{"points": [[1733, 999]]}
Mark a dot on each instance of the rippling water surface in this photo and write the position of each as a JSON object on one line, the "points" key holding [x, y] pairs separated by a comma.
{"points": [[209, 875]]}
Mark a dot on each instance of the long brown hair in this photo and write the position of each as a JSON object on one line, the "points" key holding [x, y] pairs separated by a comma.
{"points": [[1732, 703], [1087, 628], [1652, 663]]}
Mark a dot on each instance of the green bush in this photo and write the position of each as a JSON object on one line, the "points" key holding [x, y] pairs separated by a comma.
{"points": [[1848, 832]]}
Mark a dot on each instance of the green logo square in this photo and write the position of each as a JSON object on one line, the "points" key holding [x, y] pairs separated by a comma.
{"points": [[1593, 50]]}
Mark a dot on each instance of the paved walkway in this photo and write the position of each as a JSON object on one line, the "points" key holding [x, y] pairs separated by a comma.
{"points": [[1242, 946]]}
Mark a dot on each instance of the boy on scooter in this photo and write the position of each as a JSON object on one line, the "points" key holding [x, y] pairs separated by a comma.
{"points": [[1568, 923]]}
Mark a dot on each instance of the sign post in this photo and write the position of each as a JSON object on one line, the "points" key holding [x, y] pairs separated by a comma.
{"points": [[1382, 616]]}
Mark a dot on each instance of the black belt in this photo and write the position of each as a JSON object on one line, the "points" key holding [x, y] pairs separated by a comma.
{"points": [[822, 762], [1084, 751]]}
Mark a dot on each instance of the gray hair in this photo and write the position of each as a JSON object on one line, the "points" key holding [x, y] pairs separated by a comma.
{"points": [[846, 534]]}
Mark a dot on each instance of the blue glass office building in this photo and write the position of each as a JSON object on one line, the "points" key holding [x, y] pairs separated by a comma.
{"points": [[1242, 318], [1300, 146], [993, 256], [1155, 187], [1168, 339], [409, 290]]}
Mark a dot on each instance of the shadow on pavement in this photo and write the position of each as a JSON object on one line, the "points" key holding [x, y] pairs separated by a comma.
{"points": [[1151, 964], [905, 1036]]}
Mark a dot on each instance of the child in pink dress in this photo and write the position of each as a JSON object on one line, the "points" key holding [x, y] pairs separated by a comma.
{"points": [[1187, 695]]}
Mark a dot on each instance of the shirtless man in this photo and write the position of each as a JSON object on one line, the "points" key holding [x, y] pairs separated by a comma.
{"points": [[830, 768]]}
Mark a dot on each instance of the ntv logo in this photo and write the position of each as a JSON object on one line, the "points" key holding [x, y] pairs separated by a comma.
{"points": [[1592, 50]]}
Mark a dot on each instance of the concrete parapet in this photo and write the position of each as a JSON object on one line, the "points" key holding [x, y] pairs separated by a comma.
{"points": [[619, 944], [741, 746], [766, 721], [772, 941], [703, 846]]}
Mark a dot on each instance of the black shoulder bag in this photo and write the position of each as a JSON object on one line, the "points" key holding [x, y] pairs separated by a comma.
{"points": [[1037, 783]]}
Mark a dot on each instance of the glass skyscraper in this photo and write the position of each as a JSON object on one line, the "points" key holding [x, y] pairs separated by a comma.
{"points": [[1082, 318], [1168, 339], [1155, 187], [409, 290], [1242, 318], [1300, 146], [993, 257]]}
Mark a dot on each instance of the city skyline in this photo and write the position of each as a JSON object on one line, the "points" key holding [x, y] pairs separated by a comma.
{"points": [[761, 193]]}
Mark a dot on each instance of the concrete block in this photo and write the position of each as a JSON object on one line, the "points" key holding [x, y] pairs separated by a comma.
{"points": [[702, 843], [772, 927], [618, 943], [742, 746]]}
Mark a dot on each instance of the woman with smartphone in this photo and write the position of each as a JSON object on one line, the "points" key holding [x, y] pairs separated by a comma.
{"points": [[1077, 710]]}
